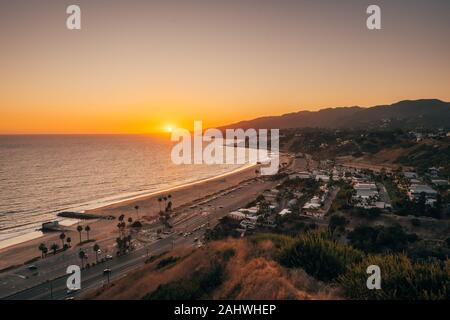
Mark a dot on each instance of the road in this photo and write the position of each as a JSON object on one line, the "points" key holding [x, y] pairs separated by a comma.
{"points": [[23, 284]]}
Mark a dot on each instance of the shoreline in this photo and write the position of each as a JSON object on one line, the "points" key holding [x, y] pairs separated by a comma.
{"points": [[102, 204], [102, 230]]}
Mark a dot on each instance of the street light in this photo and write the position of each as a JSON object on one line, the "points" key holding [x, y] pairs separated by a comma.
{"points": [[51, 289], [107, 272]]}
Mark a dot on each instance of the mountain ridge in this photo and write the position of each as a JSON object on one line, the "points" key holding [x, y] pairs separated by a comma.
{"points": [[426, 113]]}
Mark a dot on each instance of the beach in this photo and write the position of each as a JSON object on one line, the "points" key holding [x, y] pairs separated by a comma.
{"points": [[105, 231]]}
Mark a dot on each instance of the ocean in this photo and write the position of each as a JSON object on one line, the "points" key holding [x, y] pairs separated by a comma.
{"points": [[41, 175]]}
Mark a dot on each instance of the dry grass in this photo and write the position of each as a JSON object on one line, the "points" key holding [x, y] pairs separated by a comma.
{"points": [[250, 274]]}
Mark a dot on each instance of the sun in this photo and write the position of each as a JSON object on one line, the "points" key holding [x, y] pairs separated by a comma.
{"points": [[169, 129]]}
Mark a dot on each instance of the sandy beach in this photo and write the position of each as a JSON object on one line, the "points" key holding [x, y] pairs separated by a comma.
{"points": [[105, 231]]}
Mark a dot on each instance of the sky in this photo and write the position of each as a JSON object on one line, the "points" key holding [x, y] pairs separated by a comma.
{"points": [[144, 66]]}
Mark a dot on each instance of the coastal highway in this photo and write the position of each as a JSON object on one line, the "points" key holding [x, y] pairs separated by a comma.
{"points": [[20, 284], [119, 266], [93, 277]]}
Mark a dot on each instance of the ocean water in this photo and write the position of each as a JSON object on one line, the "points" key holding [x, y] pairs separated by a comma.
{"points": [[41, 175]]}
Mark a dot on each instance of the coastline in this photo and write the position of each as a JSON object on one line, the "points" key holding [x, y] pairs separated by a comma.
{"points": [[27, 248]]}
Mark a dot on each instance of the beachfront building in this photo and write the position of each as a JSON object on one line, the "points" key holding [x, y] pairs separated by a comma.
{"points": [[236, 215]]}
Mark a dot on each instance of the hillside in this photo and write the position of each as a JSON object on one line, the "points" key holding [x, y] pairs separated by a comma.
{"points": [[232, 269], [426, 113]]}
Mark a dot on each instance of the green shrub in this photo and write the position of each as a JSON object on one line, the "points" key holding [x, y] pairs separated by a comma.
{"points": [[199, 286], [415, 222], [319, 256], [167, 262], [400, 279], [381, 239], [280, 242]]}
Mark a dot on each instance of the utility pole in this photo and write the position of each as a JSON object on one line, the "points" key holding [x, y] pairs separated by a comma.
{"points": [[51, 289]]}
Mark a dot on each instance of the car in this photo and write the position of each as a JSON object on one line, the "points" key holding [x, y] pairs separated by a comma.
{"points": [[32, 267], [196, 239], [70, 291], [108, 257]]}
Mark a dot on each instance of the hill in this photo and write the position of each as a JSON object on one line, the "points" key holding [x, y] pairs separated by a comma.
{"points": [[231, 269], [425, 113]]}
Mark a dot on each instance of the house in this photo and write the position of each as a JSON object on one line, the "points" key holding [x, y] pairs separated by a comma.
{"points": [[236, 215], [300, 175], [410, 175], [284, 212], [365, 190], [416, 190], [313, 204], [439, 182], [322, 177]]}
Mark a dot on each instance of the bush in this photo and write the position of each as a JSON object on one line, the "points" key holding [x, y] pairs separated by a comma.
{"points": [[400, 279], [280, 242], [319, 256], [167, 262], [136, 224], [199, 286], [380, 239]]}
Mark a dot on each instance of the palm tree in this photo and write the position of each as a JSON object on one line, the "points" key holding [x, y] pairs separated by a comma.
{"points": [[54, 248], [82, 256], [62, 236], [87, 229], [137, 211], [121, 227], [68, 240], [130, 220], [96, 248], [121, 217], [165, 201], [43, 249], [79, 229]]}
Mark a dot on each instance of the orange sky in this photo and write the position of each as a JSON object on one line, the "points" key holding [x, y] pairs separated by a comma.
{"points": [[141, 66]]}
